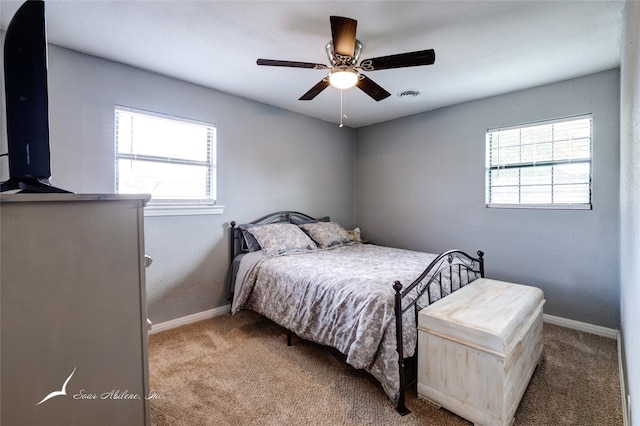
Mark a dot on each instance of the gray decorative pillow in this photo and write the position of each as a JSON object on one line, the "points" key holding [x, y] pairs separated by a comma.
{"points": [[327, 234], [250, 240], [279, 238]]}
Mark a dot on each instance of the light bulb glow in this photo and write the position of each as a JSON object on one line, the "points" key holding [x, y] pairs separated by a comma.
{"points": [[343, 79]]}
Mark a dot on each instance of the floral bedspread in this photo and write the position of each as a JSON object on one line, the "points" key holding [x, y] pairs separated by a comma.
{"points": [[341, 297]]}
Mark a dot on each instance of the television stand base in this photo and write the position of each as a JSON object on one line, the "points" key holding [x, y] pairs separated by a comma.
{"points": [[29, 185]]}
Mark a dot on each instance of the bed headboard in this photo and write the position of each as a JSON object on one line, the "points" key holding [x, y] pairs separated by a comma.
{"points": [[237, 243]]}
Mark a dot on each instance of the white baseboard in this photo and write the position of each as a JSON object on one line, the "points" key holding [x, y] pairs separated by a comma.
{"points": [[551, 319], [623, 390], [611, 333], [167, 325]]}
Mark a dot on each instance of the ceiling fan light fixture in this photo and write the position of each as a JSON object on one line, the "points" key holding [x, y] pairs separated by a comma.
{"points": [[343, 78]]}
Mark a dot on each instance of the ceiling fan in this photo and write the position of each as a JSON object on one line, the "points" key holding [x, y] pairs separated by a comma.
{"points": [[343, 52]]}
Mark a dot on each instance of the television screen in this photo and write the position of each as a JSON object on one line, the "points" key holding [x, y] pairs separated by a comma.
{"points": [[27, 104]]}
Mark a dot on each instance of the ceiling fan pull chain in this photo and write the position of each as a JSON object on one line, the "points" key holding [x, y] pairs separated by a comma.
{"points": [[345, 106], [341, 107]]}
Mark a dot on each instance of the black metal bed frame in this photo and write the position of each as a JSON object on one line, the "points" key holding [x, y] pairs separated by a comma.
{"points": [[442, 271]]}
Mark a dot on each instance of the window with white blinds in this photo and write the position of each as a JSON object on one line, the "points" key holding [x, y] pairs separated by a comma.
{"points": [[171, 158], [540, 165]]}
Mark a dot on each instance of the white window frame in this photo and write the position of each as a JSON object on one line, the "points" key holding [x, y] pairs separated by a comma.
{"points": [[546, 163], [167, 206]]}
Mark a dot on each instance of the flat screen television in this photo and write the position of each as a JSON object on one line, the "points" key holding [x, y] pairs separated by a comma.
{"points": [[27, 103]]}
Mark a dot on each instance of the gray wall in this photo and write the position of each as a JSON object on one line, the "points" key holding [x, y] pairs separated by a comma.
{"points": [[406, 173], [630, 204], [269, 159], [420, 185]]}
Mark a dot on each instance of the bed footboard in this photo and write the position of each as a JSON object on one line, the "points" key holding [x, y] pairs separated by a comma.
{"points": [[447, 273]]}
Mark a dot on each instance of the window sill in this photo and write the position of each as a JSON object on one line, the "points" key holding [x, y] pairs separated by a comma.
{"points": [[541, 206], [181, 210]]}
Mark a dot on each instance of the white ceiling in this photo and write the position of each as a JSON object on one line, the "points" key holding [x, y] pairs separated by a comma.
{"points": [[483, 48]]}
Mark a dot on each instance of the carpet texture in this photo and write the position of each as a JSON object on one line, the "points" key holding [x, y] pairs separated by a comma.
{"points": [[238, 370]]}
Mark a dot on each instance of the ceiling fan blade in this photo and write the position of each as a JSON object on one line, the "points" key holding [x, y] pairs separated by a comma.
{"points": [[371, 88], [402, 60], [315, 90], [343, 32], [292, 64]]}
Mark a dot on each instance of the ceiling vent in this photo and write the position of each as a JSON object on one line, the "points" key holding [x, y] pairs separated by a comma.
{"points": [[409, 94]]}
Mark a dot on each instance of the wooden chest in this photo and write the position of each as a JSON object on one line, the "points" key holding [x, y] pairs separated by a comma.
{"points": [[478, 348]]}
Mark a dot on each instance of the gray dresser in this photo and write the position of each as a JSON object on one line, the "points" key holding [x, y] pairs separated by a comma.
{"points": [[73, 322]]}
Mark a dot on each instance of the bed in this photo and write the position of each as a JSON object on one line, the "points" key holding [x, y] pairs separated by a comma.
{"points": [[311, 277]]}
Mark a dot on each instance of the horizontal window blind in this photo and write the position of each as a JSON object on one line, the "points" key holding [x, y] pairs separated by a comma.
{"points": [[545, 164], [171, 158]]}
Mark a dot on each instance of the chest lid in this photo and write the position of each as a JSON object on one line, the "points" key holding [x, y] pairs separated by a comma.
{"points": [[485, 313]]}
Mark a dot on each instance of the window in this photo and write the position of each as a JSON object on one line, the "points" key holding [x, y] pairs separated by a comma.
{"points": [[540, 165], [171, 158]]}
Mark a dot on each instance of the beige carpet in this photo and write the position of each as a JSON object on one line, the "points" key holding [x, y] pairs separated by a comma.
{"points": [[238, 370]]}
